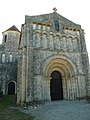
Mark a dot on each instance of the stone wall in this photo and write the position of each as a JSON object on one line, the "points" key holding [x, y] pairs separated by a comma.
{"points": [[8, 72], [51, 43], [40, 44], [8, 59]]}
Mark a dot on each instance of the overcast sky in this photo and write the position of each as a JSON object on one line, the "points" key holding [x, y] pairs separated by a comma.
{"points": [[12, 12]]}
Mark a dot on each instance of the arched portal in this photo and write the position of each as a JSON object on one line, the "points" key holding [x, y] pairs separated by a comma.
{"points": [[66, 72], [56, 91], [11, 88]]}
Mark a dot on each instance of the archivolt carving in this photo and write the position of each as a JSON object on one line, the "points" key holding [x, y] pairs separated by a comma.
{"points": [[67, 69], [62, 62]]}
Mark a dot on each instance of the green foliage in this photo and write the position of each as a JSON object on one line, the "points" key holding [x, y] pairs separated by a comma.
{"points": [[7, 113], [7, 101]]}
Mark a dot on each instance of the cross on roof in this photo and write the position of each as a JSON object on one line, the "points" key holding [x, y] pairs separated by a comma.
{"points": [[55, 9]]}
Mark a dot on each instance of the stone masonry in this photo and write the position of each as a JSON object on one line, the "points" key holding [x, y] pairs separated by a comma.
{"points": [[51, 43], [8, 60], [47, 44]]}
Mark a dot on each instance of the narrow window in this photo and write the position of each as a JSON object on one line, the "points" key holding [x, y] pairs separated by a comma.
{"points": [[11, 58], [5, 38], [56, 24], [3, 58]]}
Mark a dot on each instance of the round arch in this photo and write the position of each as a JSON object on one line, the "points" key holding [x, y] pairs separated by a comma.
{"points": [[11, 87], [68, 71]]}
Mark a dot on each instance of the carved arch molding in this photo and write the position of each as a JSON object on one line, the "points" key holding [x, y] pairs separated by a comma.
{"points": [[68, 71]]}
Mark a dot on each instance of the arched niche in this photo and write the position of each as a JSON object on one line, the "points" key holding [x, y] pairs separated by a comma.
{"points": [[70, 43], [37, 39], [44, 40], [76, 44], [51, 41], [63, 43], [3, 57], [57, 42]]}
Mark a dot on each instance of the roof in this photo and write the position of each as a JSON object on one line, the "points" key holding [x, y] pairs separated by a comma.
{"points": [[48, 18], [13, 28]]}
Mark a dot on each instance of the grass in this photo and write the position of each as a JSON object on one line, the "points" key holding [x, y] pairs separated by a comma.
{"points": [[7, 113]]}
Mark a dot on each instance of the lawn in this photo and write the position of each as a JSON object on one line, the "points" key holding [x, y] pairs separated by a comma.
{"points": [[7, 113]]}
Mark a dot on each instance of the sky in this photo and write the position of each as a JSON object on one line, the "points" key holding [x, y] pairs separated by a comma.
{"points": [[12, 12]]}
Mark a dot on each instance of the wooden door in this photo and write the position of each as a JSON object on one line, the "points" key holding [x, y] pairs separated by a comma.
{"points": [[56, 86], [11, 88]]}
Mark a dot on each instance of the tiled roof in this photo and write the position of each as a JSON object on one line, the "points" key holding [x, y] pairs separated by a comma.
{"points": [[13, 28]]}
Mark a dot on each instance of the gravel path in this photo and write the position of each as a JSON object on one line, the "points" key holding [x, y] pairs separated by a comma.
{"points": [[61, 110]]}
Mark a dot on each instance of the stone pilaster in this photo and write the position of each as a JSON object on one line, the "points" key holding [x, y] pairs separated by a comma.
{"points": [[23, 85]]}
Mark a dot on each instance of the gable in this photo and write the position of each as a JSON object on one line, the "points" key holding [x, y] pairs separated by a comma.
{"points": [[51, 18]]}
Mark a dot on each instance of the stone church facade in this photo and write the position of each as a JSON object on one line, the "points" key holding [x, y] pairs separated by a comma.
{"points": [[51, 60]]}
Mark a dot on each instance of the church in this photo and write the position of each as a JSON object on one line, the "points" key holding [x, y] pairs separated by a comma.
{"points": [[46, 60]]}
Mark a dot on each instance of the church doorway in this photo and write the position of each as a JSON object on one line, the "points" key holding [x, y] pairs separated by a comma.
{"points": [[56, 90], [11, 88]]}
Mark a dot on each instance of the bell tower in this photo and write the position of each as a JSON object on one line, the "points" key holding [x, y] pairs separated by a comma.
{"points": [[11, 39]]}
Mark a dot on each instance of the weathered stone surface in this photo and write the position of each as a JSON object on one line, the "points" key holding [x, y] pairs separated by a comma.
{"points": [[55, 44], [8, 60], [47, 43]]}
